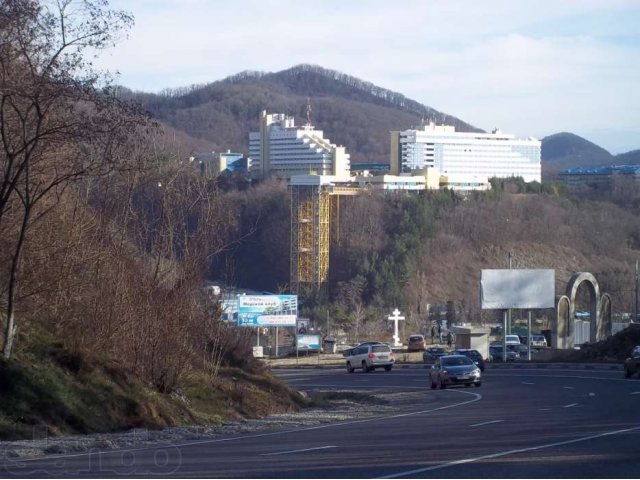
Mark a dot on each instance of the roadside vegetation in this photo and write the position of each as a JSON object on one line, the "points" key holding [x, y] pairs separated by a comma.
{"points": [[106, 235]]}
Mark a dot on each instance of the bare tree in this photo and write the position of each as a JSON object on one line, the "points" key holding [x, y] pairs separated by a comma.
{"points": [[58, 123]]}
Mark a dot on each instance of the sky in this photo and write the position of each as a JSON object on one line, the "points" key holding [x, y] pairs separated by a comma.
{"points": [[528, 67]]}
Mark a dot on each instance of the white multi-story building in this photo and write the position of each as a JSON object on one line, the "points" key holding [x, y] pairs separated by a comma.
{"points": [[465, 160], [282, 149]]}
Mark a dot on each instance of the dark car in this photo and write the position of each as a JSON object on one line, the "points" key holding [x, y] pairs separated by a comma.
{"points": [[495, 352], [431, 354], [474, 355], [632, 364], [520, 350], [454, 370]]}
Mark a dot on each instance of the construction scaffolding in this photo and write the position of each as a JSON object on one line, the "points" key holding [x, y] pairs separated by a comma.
{"points": [[310, 225], [312, 206]]}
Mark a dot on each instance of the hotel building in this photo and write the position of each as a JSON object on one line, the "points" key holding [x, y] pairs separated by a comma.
{"points": [[282, 149], [464, 160]]}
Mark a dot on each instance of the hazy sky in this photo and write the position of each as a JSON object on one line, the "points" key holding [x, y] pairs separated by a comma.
{"points": [[529, 67]]}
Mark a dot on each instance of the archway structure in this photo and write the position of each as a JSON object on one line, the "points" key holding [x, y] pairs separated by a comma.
{"points": [[599, 309]]}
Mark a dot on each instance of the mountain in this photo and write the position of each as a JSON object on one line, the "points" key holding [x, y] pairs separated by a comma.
{"points": [[350, 111], [567, 150], [629, 158]]}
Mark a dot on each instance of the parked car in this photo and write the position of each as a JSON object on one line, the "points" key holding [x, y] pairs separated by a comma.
{"points": [[519, 349], [369, 357], [474, 355], [431, 354], [454, 370], [632, 363], [416, 343], [538, 341], [495, 352], [512, 340]]}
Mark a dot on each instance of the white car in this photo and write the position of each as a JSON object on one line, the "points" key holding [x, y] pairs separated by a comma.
{"points": [[538, 340], [369, 357], [512, 340]]}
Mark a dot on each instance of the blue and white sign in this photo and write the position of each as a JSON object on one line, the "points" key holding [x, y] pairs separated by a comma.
{"points": [[308, 342], [267, 310]]}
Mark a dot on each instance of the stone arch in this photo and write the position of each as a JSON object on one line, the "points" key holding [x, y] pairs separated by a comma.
{"points": [[604, 327], [594, 304], [562, 321]]}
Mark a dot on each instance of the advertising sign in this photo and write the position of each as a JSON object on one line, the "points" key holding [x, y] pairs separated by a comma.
{"points": [[303, 325], [267, 310], [503, 289], [229, 310], [308, 342]]}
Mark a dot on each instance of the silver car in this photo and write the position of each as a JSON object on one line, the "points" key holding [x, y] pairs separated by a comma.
{"points": [[454, 370], [370, 357]]}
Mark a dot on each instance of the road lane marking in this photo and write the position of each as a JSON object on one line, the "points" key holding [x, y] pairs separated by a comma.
{"points": [[634, 393], [486, 423], [298, 451], [418, 471], [528, 383], [570, 405], [568, 388], [477, 397]]}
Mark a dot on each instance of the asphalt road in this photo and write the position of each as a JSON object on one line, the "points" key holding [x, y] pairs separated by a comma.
{"points": [[524, 423]]}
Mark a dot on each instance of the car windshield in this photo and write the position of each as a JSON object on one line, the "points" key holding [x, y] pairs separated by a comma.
{"points": [[415, 339], [455, 361], [380, 349], [435, 350]]}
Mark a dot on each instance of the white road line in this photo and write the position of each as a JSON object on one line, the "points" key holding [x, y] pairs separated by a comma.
{"points": [[486, 423], [544, 409], [298, 451], [568, 388], [570, 405], [476, 397], [528, 383], [509, 452], [634, 393]]}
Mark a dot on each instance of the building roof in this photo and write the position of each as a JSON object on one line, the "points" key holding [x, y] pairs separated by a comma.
{"points": [[604, 170]]}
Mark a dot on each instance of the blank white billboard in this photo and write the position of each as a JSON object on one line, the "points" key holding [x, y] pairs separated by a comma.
{"points": [[502, 289]]}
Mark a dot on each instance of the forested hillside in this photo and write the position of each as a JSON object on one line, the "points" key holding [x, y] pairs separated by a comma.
{"points": [[106, 235], [351, 112], [410, 251]]}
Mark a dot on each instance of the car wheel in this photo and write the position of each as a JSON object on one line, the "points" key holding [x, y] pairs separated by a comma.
{"points": [[365, 368], [388, 368], [349, 367], [477, 384]]}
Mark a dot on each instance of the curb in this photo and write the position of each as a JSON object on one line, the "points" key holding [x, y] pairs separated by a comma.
{"points": [[489, 366]]}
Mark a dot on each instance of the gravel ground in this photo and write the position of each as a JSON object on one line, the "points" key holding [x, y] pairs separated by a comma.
{"points": [[338, 410]]}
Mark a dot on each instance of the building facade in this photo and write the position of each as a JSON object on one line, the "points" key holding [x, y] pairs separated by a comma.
{"points": [[466, 160], [602, 179], [282, 149]]}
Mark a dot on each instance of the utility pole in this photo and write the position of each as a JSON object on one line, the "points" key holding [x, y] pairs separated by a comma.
{"points": [[635, 319], [509, 314]]}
